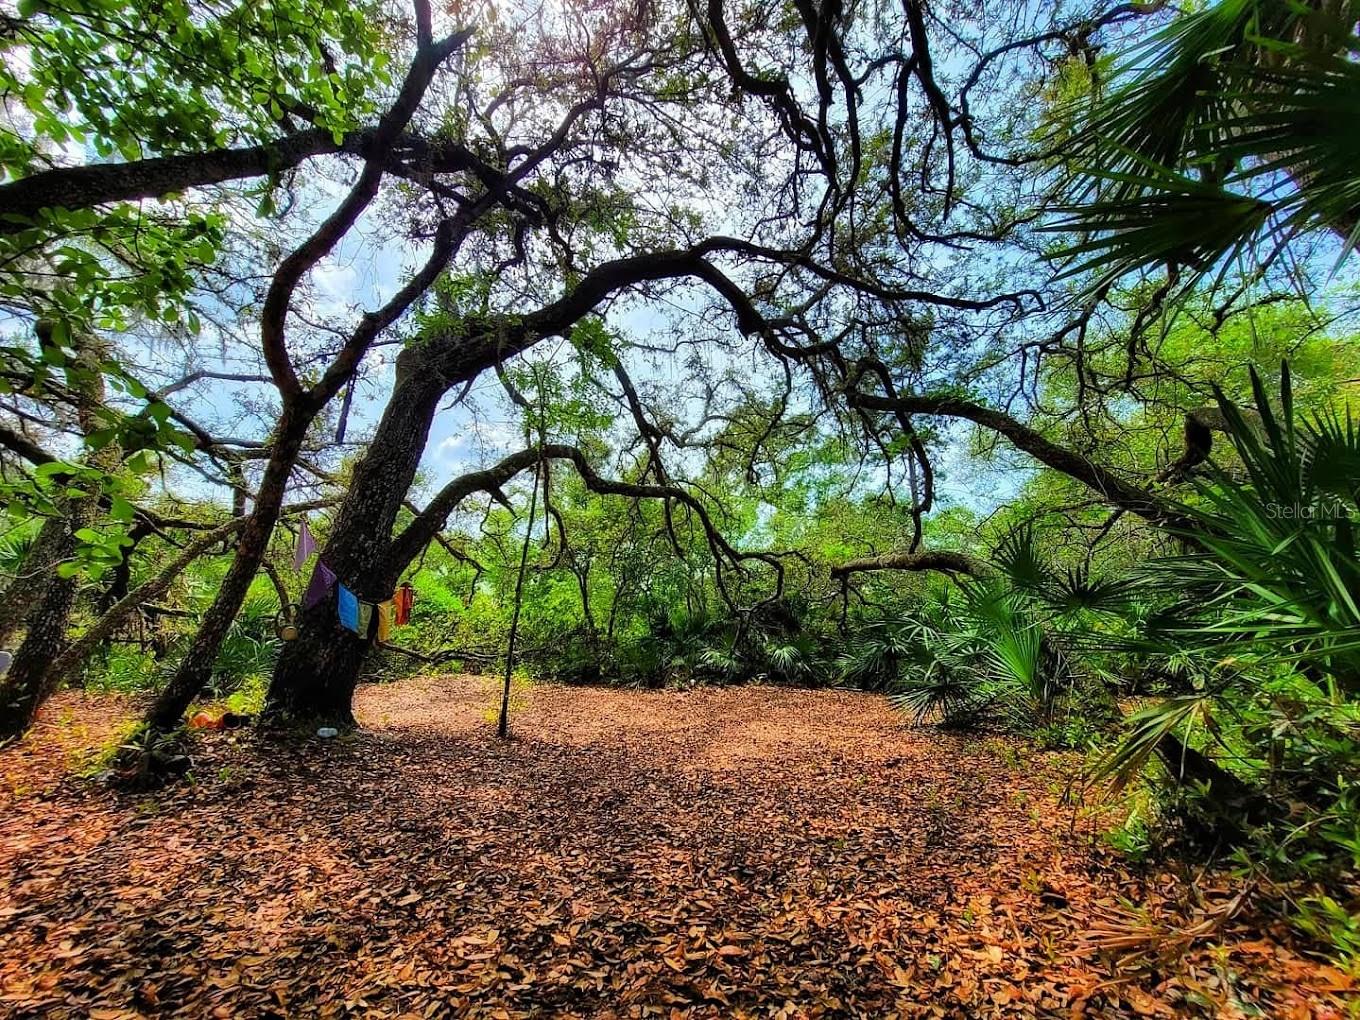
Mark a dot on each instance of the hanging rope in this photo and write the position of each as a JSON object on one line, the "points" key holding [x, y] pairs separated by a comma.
{"points": [[503, 723]]}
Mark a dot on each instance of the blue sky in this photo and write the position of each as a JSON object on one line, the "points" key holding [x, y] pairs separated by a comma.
{"points": [[364, 271]]}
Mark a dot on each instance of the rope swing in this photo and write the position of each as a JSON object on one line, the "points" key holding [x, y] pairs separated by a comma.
{"points": [[503, 723]]}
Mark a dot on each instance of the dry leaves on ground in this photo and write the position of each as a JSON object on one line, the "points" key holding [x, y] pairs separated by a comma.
{"points": [[724, 853]]}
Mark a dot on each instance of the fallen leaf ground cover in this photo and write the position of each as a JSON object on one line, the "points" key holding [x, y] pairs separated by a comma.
{"points": [[713, 853]]}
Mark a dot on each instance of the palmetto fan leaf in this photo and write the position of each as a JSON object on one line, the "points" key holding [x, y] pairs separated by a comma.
{"points": [[1062, 592], [1165, 99], [1299, 121], [877, 652], [1014, 655], [790, 659], [1148, 729], [990, 605], [1165, 217], [722, 662], [1333, 455], [1077, 590], [1276, 561], [951, 695], [1227, 133], [1017, 556], [14, 547]]}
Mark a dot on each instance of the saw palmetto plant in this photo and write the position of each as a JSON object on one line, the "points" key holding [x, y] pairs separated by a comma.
{"points": [[1262, 638], [1222, 137], [1005, 648]]}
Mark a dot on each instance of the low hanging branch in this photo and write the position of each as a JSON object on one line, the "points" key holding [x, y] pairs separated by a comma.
{"points": [[432, 520], [1124, 496], [1111, 487], [944, 561], [450, 654], [406, 546]]}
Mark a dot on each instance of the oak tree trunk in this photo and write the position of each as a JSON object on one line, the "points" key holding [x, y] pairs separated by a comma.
{"points": [[316, 673], [26, 686], [30, 680], [314, 679], [196, 667]]}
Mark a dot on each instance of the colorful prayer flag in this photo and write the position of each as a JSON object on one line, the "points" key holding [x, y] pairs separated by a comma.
{"points": [[384, 620], [402, 601], [348, 604], [306, 545], [319, 587]]}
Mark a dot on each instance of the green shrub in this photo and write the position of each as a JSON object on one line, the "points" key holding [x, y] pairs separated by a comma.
{"points": [[125, 669]]}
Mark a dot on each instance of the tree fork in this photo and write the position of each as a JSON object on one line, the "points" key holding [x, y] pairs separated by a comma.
{"points": [[301, 406]]}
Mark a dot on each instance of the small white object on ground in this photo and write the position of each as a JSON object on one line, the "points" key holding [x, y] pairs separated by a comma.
{"points": [[327, 732]]}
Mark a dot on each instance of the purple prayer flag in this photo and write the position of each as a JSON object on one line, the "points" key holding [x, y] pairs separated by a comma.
{"points": [[319, 587], [306, 545]]}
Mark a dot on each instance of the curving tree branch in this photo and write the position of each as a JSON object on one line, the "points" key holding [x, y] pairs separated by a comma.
{"points": [[942, 560]]}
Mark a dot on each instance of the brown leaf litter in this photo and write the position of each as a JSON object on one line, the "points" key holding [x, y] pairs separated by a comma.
{"points": [[742, 852]]}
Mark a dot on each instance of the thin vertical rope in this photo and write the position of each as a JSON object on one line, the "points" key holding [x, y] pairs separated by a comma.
{"points": [[503, 725]]}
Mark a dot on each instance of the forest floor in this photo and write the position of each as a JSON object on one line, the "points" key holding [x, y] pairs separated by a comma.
{"points": [[724, 853]]}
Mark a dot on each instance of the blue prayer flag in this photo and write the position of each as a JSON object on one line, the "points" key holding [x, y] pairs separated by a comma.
{"points": [[349, 608]]}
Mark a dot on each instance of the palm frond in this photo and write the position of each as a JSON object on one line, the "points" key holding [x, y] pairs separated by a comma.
{"points": [[1275, 563], [1017, 556], [953, 697], [1147, 731], [1225, 135], [1077, 591]]}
